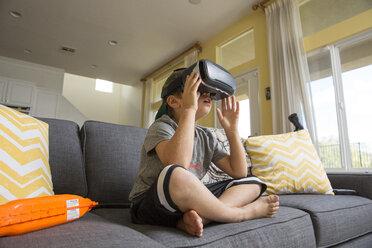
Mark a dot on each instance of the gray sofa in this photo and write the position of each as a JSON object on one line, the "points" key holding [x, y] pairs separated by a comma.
{"points": [[100, 162]]}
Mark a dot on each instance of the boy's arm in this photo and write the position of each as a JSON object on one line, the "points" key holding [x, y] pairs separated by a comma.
{"points": [[235, 164], [178, 150]]}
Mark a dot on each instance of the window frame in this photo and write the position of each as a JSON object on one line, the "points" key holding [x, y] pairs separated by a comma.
{"points": [[334, 53]]}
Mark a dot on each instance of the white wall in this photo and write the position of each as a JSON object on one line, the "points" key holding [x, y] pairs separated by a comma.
{"points": [[130, 112], [42, 76], [66, 111], [122, 106]]}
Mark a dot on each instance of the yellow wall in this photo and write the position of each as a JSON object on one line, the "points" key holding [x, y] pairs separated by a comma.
{"points": [[257, 22]]}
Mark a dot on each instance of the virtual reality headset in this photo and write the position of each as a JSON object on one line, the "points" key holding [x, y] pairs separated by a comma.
{"points": [[215, 80]]}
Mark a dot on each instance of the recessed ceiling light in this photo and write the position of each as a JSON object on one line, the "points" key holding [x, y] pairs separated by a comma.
{"points": [[195, 1], [15, 14], [113, 42], [27, 51]]}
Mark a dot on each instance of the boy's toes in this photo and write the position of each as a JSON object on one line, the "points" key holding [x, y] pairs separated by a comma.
{"points": [[274, 198]]}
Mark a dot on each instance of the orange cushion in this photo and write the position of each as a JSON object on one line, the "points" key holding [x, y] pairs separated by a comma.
{"points": [[26, 215]]}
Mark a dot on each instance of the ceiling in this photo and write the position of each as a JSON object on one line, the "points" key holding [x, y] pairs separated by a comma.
{"points": [[148, 32]]}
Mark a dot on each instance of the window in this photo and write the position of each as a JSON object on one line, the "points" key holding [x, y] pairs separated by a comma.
{"points": [[237, 51], [104, 86], [244, 125], [341, 90]]}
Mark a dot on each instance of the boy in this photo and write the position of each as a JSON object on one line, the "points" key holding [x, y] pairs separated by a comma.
{"points": [[176, 154]]}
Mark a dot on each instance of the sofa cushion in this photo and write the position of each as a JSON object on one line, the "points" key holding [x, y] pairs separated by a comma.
{"points": [[363, 241], [24, 157], [335, 218], [66, 158], [288, 163], [289, 228], [112, 156], [89, 231]]}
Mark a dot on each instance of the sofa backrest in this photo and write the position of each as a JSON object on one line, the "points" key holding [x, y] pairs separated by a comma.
{"points": [[66, 158], [112, 157]]}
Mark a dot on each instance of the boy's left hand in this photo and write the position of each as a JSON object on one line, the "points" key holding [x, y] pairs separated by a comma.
{"points": [[229, 116]]}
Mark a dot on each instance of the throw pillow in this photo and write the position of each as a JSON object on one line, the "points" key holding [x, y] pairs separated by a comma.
{"points": [[24, 154], [288, 163], [215, 174], [26, 215]]}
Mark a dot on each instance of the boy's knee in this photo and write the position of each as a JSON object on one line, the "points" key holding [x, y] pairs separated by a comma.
{"points": [[182, 182], [181, 177]]}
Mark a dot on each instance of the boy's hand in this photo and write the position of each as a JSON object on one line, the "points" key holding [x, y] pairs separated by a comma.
{"points": [[235, 165], [229, 116], [190, 93]]}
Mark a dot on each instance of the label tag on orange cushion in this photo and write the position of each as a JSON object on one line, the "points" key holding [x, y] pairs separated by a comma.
{"points": [[73, 214], [72, 203]]}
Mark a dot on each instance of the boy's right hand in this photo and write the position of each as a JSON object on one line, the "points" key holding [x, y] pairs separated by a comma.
{"points": [[190, 93]]}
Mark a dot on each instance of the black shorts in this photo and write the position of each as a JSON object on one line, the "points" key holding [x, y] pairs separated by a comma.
{"points": [[155, 206]]}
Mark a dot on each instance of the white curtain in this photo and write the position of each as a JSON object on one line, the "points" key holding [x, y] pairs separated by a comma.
{"points": [[148, 114], [289, 73], [191, 58]]}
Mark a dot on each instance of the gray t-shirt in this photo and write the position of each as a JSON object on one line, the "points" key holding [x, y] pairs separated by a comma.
{"points": [[206, 150]]}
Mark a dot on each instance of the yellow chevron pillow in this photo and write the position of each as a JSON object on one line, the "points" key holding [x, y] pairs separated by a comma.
{"points": [[24, 157], [288, 163]]}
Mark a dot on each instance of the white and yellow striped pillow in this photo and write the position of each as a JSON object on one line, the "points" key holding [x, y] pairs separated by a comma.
{"points": [[24, 157], [288, 163]]}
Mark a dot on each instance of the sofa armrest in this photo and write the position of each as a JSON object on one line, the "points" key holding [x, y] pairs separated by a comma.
{"points": [[361, 182]]}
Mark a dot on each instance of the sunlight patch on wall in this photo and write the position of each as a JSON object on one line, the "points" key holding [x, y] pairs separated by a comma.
{"points": [[104, 86]]}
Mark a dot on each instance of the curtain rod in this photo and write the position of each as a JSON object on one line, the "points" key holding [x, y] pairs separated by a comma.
{"points": [[260, 5], [196, 46]]}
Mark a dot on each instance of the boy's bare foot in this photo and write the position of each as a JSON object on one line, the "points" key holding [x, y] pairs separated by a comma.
{"points": [[264, 207], [191, 223]]}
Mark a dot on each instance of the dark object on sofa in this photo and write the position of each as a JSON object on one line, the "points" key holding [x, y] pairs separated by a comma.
{"points": [[293, 118], [100, 161], [344, 191]]}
